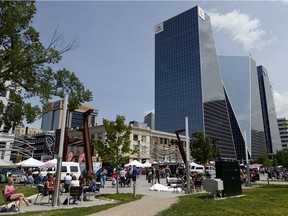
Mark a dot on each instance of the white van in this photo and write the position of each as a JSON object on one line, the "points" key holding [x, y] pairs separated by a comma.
{"points": [[211, 170], [67, 167], [201, 169], [197, 168]]}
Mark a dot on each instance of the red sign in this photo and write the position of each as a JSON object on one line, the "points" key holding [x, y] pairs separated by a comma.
{"points": [[70, 156], [81, 157]]}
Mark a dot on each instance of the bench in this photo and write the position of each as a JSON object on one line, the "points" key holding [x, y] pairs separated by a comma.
{"points": [[74, 193]]}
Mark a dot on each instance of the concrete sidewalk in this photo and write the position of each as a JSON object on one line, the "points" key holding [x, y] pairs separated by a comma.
{"points": [[148, 206]]}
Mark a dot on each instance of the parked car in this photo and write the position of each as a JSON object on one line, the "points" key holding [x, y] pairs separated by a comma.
{"points": [[16, 172]]}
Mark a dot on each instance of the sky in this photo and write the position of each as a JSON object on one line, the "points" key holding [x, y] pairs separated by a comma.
{"points": [[115, 53]]}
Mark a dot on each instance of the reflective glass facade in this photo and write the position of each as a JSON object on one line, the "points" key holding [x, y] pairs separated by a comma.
{"points": [[272, 134], [188, 81], [47, 121], [76, 119], [240, 79]]}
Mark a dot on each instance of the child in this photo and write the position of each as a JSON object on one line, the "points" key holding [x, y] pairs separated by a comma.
{"points": [[113, 179]]}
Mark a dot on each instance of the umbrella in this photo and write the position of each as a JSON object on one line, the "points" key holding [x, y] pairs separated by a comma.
{"points": [[50, 163], [31, 162]]}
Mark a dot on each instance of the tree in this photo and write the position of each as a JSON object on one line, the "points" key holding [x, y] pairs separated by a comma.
{"points": [[264, 160], [282, 158], [116, 147], [202, 150], [25, 65]]}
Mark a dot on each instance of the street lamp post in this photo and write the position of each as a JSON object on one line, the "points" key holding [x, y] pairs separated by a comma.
{"points": [[187, 157]]}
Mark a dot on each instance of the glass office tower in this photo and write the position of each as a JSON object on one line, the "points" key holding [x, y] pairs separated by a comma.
{"points": [[272, 135], [240, 79], [188, 81], [52, 116]]}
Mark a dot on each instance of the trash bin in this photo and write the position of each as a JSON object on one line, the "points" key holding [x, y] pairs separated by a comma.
{"points": [[229, 173]]}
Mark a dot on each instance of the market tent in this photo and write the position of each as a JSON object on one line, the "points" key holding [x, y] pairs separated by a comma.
{"points": [[50, 163], [255, 166], [134, 162], [146, 164], [31, 162]]}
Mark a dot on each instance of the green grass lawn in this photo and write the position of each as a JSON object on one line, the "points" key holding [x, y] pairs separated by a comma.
{"points": [[264, 200]]}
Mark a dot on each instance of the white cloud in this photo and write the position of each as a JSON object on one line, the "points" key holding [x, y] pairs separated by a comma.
{"points": [[240, 27], [281, 104]]}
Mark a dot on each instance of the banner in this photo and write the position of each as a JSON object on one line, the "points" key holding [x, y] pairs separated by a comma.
{"points": [[81, 157], [70, 156]]}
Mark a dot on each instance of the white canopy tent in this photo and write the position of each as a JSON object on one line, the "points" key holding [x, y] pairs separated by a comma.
{"points": [[31, 162], [134, 162], [50, 163], [146, 164]]}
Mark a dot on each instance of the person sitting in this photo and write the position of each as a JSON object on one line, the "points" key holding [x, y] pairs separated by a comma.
{"points": [[2, 178], [49, 186], [30, 179], [10, 195], [75, 182], [23, 179], [91, 188], [67, 182], [38, 179]]}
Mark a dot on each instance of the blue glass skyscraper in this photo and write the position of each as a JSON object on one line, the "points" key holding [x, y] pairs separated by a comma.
{"points": [[272, 135], [240, 79], [188, 80]]}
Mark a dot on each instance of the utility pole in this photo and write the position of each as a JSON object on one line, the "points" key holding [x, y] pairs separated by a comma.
{"points": [[247, 161]]}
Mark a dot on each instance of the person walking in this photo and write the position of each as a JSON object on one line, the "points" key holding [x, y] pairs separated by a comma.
{"points": [[103, 176], [134, 175], [157, 175], [122, 177]]}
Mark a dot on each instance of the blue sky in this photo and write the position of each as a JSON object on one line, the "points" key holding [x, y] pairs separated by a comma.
{"points": [[115, 56]]}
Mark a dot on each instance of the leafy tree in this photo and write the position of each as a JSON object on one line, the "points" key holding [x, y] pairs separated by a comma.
{"points": [[264, 160], [282, 158], [25, 65], [202, 150], [116, 147]]}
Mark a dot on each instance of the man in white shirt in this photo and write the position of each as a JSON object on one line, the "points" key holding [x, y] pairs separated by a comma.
{"points": [[67, 182]]}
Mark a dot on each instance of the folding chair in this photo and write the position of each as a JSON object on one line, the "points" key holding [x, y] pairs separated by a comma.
{"points": [[41, 194], [11, 203]]}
